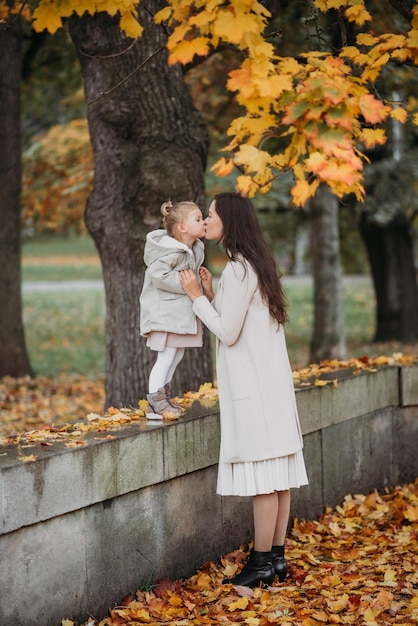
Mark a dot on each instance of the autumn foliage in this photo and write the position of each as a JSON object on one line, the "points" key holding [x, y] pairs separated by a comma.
{"points": [[316, 113], [57, 179]]}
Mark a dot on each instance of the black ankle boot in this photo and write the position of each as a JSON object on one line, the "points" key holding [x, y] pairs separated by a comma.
{"points": [[258, 569], [279, 562]]}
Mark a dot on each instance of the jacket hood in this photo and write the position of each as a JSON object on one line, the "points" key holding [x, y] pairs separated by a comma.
{"points": [[158, 243]]}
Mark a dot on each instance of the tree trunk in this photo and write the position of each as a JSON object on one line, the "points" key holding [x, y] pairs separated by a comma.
{"points": [[149, 145], [328, 339], [391, 256], [14, 359]]}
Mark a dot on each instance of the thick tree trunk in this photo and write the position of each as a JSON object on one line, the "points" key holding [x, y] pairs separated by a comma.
{"points": [[149, 144], [391, 256], [328, 338], [14, 360]]}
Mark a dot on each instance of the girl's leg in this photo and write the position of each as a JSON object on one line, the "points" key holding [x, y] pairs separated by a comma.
{"points": [[162, 366], [178, 357]]}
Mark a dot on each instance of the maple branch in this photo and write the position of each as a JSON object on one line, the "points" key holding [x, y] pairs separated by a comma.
{"points": [[104, 94], [108, 56]]}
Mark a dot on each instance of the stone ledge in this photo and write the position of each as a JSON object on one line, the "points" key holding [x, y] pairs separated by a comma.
{"points": [[409, 385], [62, 480], [354, 395]]}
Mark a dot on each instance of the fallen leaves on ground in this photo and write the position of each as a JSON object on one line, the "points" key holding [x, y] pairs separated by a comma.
{"points": [[29, 391], [313, 374], [357, 564], [27, 403]]}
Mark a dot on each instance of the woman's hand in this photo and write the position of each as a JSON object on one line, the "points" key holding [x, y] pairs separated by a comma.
{"points": [[190, 285], [206, 278]]}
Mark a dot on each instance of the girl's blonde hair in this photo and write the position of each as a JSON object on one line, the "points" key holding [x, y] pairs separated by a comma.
{"points": [[173, 213]]}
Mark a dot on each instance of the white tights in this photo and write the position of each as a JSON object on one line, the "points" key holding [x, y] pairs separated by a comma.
{"points": [[164, 368]]}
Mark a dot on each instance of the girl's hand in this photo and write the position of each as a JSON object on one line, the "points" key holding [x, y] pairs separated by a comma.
{"points": [[190, 285], [206, 278]]}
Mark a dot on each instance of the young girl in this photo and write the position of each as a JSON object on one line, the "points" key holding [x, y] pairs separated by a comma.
{"points": [[261, 440], [166, 315]]}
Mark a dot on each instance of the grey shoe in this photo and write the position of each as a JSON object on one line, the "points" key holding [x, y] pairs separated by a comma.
{"points": [[158, 405], [167, 388]]}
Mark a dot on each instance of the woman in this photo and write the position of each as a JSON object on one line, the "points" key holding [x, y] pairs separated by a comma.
{"points": [[261, 440]]}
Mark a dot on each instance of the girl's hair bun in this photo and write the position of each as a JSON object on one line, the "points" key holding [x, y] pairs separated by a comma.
{"points": [[166, 208]]}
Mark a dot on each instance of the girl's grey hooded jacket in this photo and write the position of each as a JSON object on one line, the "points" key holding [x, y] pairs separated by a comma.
{"points": [[163, 304]]}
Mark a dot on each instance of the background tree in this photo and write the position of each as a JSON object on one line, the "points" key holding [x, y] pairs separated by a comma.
{"points": [[13, 354], [149, 144]]}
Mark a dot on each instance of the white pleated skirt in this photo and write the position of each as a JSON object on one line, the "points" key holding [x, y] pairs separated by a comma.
{"points": [[261, 477]]}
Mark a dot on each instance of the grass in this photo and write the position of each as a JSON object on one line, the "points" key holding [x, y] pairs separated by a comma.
{"points": [[65, 330], [60, 258]]}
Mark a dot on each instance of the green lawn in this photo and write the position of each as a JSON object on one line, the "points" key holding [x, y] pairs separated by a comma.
{"points": [[65, 330]]}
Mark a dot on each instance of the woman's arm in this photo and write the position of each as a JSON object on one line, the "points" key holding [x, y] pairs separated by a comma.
{"points": [[238, 287]]}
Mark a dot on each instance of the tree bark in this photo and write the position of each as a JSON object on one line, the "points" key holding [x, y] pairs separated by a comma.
{"points": [[14, 360], [391, 255], [149, 144], [328, 338]]}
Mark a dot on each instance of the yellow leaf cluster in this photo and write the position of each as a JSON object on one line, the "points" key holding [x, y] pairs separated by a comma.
{"points": [[57, 178], [49, 14], [235, 22], [320, 108]]}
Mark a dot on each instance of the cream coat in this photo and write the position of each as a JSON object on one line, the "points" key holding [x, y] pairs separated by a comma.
{"points": [[259, 417], [163, 304]]}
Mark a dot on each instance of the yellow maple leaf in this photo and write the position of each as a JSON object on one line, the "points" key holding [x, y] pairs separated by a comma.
{"points": [[399, 114], [369, 616], [300, 192], [223, 166], [336, 606], [372, 110], [184, 51], [246, 186], [232, 26], [239, 604], [411, 514], [163, 15], [289, 65], [46, 17], [242, 80], [316, 161], [28, 458], [372, 137], [273, 86], [364, 39], [358, 14], [252, 158], [390, 578], [130, 25]]}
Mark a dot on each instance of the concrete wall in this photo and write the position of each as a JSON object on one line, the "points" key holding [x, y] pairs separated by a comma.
{"points": [[81, 528]]}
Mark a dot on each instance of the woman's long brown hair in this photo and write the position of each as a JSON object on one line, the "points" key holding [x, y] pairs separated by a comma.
{"points": [[242, 235]]}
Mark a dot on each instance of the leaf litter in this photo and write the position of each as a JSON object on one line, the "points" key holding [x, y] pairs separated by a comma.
{"points": [[356, 564]]}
